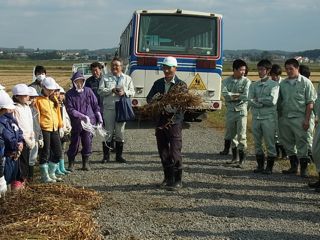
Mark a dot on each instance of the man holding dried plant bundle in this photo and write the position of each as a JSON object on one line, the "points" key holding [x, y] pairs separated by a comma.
{"points": [[169, 127]]}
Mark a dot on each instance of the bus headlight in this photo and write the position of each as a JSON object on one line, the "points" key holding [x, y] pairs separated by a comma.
{"points": [[211, 93], [139, 90]]}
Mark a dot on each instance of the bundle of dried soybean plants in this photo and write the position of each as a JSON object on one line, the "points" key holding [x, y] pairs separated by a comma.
{"points": [[49, 212], [178, 97]]}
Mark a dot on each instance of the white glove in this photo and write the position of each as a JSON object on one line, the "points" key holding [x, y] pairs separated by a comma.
{"points": [[61, 132], [30, 142], [3, 186], [157, 96], [41, 143], [101, 131], [67, 130], [170, 109]]}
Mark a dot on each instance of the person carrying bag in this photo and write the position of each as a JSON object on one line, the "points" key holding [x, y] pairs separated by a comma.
{"points": [[115, 89]]}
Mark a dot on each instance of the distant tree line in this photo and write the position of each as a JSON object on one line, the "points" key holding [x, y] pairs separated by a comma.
{"points": [[48, 55], [256, 55], [44, 55], [31, 54]]}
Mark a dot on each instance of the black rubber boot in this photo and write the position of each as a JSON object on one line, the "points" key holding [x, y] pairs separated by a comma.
{"points": [[227, 144], [234, 156], [119, 150], [112, 145], [283, 152], [294, 162], [260, 162], [165, 179], [278, 149], [106, 152], [304, 167], [85, 163], [178, 178], [170, 186], [242, 158], [71, 164], [315, 184], [270, 163]]}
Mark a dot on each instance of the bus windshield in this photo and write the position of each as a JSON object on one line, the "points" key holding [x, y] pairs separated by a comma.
{"points": [[178, 34]]}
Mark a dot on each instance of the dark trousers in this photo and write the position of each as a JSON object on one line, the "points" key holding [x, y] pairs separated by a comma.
{"points": [[52, 143], [78, 136], [11, 170], [169, 143], [23, 162]]}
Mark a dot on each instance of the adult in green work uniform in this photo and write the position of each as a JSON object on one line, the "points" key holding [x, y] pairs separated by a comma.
{"points": [[295, 106], [316, 143], [235, 92], [304, 70], [275, 75], [263, 97]]}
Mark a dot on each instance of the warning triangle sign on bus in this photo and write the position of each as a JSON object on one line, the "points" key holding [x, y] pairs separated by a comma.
{"points": [[197, 83]]}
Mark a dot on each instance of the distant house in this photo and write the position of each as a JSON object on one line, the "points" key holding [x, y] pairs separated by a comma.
{"points": [[302, 59]]}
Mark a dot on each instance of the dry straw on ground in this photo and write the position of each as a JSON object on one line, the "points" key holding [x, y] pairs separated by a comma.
{"points": [[49, 212], [178, 97]]}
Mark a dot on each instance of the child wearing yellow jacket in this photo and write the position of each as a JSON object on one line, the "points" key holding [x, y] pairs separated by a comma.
{"points": [[50, 122]]}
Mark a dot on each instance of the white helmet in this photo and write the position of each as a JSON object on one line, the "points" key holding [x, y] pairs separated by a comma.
{"points": [[49, 83], [33, 92], [62, 90], [6, 101], [21, 89], [57, 87], [170, 61]]}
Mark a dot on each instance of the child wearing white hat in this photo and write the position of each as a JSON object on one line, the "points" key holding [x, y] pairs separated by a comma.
{"points": [[63, 132], [24, 118], [11, 144], [37, 133], [65, 137], [50, 123]]}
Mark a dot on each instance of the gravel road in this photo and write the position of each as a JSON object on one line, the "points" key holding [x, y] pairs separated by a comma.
{"points": [[217, 202]]}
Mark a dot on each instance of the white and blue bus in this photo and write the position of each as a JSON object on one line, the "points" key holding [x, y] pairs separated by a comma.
{"points": [[193, 38]]}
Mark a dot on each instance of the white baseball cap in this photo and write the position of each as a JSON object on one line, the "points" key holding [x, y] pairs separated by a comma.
{"points": [[57, 87], [21, 89], [49, 83], [2, 87], [62, 90], [170, 61], [33, 92], [6, 101]]}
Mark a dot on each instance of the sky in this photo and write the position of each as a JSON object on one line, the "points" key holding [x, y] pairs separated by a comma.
{"points": [[288, 25]]}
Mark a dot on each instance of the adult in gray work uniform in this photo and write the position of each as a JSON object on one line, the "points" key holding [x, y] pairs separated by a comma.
{"points": [[295, 106], [111, 87], [235, 92], [263, 97]]}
